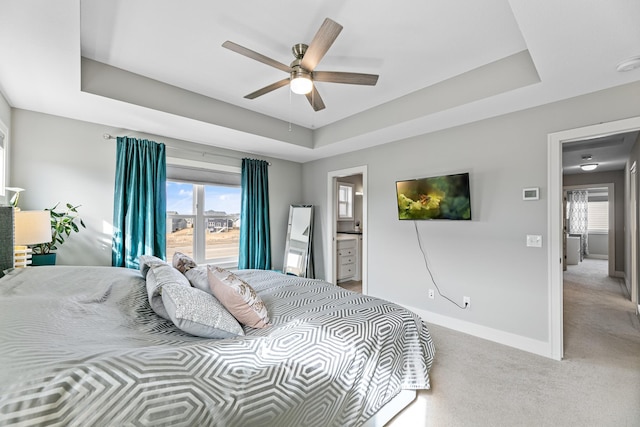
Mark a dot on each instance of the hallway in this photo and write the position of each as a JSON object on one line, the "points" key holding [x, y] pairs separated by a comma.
{"points": [[599, 310]]}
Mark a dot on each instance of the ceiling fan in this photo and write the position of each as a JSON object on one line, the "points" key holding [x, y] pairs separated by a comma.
{"points": [[302, 72]]}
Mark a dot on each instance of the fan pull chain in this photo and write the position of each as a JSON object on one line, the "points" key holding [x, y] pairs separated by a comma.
{"points": [[290, 109]]}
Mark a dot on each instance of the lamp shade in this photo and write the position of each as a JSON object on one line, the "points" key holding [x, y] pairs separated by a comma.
{"points": [[300, 82], [32, 227]]}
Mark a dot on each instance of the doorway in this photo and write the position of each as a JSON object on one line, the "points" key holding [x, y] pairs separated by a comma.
{"points": [[599, 241], [555, 231], [331, 268]]}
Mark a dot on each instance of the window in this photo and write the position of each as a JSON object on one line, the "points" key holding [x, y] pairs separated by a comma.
{"points": [[598, 217], [345, 201], [203, 215]]}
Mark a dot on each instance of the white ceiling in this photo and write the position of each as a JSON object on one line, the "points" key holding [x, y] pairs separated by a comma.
{"points": [[441, 64]]}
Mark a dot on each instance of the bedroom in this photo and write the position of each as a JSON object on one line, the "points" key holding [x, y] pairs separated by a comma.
{"points": [[504, 150]]}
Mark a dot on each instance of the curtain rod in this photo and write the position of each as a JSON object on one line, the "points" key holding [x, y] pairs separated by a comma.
{"points": [[203, 153]]}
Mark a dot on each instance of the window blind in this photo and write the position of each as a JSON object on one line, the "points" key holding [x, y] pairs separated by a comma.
{"points": [[598, 217], [202, 176]]}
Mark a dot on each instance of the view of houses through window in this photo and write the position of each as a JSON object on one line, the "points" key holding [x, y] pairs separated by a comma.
{"points": [[203, 221]]}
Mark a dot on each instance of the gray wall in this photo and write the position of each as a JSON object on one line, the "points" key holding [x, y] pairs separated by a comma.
{"points": [[62, 160], [486, 258], [5, 118], [5, 111], [618, 180], [599, 246], [58, 159]]}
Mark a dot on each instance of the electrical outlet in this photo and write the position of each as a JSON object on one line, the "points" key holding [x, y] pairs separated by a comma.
{"points": [[466, 301], [431, 294]]}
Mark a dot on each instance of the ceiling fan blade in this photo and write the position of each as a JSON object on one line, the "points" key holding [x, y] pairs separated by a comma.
{"points": [[255, 55], [315, 100], [267, 89], [320, 44], [347, 78]]}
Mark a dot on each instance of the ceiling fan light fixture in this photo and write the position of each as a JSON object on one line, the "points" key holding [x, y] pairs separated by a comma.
{"points": [[301, 82], [588, 166]]}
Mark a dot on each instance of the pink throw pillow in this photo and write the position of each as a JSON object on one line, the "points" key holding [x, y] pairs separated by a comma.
{"points": [[238, 297]]}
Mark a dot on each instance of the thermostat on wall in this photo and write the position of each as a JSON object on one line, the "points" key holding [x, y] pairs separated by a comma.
{"points": [[531, 193]]}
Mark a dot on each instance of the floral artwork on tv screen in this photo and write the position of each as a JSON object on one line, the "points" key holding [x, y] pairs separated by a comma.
{"points": [[438, 197]]}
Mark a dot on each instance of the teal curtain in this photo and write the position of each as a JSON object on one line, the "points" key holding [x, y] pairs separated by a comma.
{"points": [[139, 209], [255, 240]]}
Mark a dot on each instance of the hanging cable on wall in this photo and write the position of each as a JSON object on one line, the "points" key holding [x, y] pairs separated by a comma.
{"points": [[426, 264]]}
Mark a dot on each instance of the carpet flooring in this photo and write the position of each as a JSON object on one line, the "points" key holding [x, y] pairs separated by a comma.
{"points": [[352, 285], [480, 383]]}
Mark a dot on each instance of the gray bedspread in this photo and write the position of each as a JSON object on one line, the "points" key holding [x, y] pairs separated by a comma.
{"points": [[80, 346]]}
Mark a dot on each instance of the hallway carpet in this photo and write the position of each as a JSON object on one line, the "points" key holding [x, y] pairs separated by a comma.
{"points": [[480, 383]]}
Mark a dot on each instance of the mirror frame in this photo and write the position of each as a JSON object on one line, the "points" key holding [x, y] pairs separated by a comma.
{"points": [[306, 266]]}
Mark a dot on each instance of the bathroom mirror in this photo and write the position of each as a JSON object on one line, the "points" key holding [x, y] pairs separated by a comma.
{"points": [[298, 259]]}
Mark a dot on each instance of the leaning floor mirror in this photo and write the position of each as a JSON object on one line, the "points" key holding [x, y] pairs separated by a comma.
{"points": [[298, 259]]}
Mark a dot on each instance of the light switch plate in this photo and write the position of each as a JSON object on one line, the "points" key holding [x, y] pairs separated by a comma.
{"points": [[534, 240]]}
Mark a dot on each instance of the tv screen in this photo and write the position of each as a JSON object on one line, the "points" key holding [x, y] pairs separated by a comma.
{"points": [[437, 197]]}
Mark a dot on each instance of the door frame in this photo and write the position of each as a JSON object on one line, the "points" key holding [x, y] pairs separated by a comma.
{"points": [[554, 217], [330, 253], [633, 229]]}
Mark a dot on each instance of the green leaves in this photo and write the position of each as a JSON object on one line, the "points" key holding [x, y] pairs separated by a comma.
{"points": [[63, 223]]}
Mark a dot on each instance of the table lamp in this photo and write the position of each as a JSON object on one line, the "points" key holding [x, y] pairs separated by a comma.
{"points": [[30, 228]]}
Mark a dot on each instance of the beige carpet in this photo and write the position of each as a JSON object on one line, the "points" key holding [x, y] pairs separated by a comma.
{"points": [[352, 285], [480, 383]]}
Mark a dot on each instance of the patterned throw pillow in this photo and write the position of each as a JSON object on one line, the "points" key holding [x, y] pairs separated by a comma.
{"points": [[199, 313], [238, 297], [196, 274], [183, 262]]}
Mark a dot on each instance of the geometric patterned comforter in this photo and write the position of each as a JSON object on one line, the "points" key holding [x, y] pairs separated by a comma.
{"points": [[80, 346]]}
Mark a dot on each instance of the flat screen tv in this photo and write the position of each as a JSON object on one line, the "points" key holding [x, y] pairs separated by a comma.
{"points": [[436, 197]]}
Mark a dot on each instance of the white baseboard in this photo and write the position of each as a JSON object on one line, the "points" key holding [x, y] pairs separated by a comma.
{"points": [[598, 256], [541, 348], [620, 275]]}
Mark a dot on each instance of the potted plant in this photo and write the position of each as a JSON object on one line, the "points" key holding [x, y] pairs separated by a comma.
{"points": [[63, 223]]}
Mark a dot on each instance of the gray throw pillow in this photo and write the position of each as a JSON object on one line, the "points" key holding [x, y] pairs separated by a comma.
{"points": [[160, 274], [199, 278], [145, 262], [199, 313]]}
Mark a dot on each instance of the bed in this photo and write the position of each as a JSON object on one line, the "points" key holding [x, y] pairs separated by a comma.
{"points": [[82, 346]]}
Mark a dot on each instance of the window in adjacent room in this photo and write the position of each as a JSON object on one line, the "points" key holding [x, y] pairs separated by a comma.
{"points": [[203, 215], [345, 201]]}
